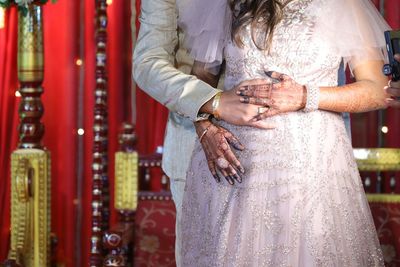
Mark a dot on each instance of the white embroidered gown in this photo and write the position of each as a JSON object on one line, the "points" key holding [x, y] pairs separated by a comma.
{"points": [[301, 202]]}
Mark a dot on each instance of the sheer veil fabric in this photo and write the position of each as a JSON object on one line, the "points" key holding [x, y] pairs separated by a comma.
{"points": [[206, 24], [354, 28]]}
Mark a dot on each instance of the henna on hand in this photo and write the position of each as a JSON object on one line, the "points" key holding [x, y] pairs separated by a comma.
{"points": [[255, 90], [256, 101], [217, 144], [364, 95], [284, 95]]}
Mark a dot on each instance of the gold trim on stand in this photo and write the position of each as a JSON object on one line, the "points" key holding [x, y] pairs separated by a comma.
{"points": [[377, 159], [126, 180], [383, 198]]}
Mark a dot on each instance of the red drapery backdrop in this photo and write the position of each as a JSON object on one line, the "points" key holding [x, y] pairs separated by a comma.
{"points": [[69, 35]]}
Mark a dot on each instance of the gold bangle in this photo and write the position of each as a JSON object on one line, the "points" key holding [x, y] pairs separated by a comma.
{"points": [[204, 133], [215, 104]]}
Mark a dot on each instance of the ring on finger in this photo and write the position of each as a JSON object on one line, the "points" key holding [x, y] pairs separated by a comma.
{"points": [[222, 163], [246, 99], [264, 102], [262, 110]]}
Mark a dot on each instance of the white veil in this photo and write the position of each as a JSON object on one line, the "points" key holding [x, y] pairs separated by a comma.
{"points": [[354, 28], [207, 26]]}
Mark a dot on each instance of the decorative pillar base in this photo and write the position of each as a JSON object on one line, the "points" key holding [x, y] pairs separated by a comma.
{"points": [[30, 207]]}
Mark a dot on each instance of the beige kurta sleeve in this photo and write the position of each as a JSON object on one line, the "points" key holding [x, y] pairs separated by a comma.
{"points": [[153, 62]]}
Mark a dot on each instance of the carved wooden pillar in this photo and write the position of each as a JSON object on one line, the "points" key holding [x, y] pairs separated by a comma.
{"points": [[30, 75], [30, 166], [100, 191]]}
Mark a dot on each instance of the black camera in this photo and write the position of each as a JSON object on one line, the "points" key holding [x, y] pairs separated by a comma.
{"points": [[393, 47]]}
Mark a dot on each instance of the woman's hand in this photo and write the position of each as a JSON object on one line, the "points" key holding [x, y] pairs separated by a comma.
{"points": [[393, 90], [216, 142], [283, 96]]}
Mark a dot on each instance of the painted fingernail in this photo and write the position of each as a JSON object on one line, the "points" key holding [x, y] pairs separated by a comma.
{"points": [[217, 178], [241, 169], [236, 145], [230, 180], [244, 99], [238, 178]]}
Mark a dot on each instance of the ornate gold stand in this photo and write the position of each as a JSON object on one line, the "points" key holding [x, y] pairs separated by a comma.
{"points": [[30, 164], [126, 172]]}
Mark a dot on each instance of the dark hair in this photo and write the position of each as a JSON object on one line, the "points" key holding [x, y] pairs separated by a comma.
{"points": [[261, 15]]}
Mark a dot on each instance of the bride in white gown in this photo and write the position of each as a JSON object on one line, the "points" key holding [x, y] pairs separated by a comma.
{"points": [[301, 201]]}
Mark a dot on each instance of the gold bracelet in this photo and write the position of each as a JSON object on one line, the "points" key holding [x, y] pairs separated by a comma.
{"points": [[204, 133], [215, 104]]}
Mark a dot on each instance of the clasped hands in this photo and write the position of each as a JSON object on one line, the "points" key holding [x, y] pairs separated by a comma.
{"points": [[247, 104]]}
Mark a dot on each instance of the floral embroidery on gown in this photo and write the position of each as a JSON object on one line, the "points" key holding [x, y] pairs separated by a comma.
{"points": [[301, 202]]}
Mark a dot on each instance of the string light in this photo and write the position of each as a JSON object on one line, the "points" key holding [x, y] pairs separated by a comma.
{"points": [[81, 131], [385, 129], [2, 17], [109, 2], [17, 94], [78, 62]]}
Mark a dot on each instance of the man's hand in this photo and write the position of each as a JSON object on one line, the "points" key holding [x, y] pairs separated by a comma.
{"points": [[234, 112], [393, 89], [216, 142]]}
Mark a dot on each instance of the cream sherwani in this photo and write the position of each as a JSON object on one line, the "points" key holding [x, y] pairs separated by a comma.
{"points": [[160, 67]]}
